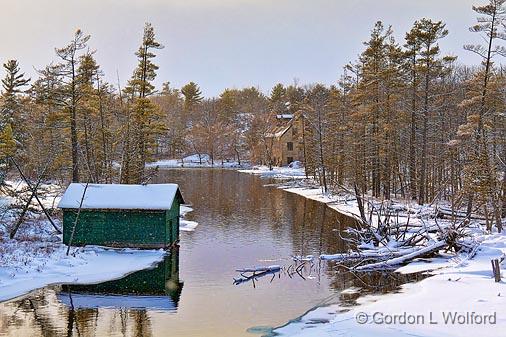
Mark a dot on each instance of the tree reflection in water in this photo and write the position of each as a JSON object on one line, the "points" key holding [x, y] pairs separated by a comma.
{"points": [[242, 224], [77, 310]]}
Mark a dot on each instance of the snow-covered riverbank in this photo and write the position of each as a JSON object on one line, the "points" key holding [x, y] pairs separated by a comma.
{"points": [[25, 266], [456, 301], [37, 257], [460, 298], [194, 161]]}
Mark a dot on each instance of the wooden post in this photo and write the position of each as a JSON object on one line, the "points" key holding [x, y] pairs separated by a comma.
{"points": [[496, 269], [77, 219]]}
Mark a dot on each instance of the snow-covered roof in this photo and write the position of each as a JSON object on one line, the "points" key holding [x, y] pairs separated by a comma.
{"points": [[279, 131], [117, 196]]}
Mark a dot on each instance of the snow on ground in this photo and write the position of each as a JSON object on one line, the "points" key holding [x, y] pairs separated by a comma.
{"points": [[37, 257], [52, 194], [23, 269], [460, 290], [294, 171], [194, 161], [438, 305], [346, 205]]}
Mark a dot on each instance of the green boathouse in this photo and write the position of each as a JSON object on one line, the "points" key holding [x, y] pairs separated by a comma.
{"points": [[115, 215]]}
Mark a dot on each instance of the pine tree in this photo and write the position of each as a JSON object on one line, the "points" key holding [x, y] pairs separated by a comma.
{"points": [[375, 109], [412, 53], [482, 168], [315, 113], [12, 85], [430, 66], [278, 99], [170, 102], [49, 124], [69, 91], [12, 109], [145, 125], [228, 105], [7, 150], [94, 119], [192, 98]]}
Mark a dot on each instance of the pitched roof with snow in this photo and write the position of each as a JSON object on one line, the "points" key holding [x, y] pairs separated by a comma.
{"points": [[117, 196], [279, 131]]}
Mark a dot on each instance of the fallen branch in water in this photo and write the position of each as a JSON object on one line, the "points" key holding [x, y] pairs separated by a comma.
{"points": [[256, 272], [381, 254], [259, 269]]}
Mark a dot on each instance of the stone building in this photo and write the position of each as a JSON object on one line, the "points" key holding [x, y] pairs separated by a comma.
{"points": [[286, 140]]}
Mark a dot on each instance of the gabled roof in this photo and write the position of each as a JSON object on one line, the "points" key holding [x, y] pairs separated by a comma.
{"points": [[117, 196], [279, 131]]}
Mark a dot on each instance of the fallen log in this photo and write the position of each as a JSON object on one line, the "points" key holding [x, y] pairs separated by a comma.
{"points": [[259, 269], [404, 258], [446, 213], [256, 272], [383, 254]]}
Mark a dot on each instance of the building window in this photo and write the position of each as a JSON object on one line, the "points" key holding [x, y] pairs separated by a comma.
{"points": [[289, 145], [289, 160]]}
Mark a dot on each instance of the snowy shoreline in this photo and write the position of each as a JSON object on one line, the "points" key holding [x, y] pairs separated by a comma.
{"points": [[90, 265], [456, 300], [37, 257], [194, 161]]}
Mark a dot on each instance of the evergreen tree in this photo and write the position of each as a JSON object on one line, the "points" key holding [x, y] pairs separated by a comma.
{"points": [[278, 99], [144, 125], [12, 85], [412, 53], [70, 93], [430, 67], [192, 98], [13, 116], [484, 114], [228, 105]]}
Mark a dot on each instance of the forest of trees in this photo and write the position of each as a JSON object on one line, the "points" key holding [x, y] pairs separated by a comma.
{"points": [[403, 120]]}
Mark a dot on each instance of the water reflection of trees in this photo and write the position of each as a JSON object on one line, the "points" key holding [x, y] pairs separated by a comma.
{"points": [[370, 283], [227, 198], [42, 314]]}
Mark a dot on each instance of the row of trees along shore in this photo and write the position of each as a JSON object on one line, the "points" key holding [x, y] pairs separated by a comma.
{"points": [[402, 121]]}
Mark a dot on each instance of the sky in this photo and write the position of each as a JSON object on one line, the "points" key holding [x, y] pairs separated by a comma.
{"points": [[223, 43]]}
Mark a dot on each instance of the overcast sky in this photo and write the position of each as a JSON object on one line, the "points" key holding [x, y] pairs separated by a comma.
{"points": [[223, 43]]}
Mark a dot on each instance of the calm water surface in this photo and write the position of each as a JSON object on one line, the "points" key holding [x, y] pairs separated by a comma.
{"points": [[242, 223]]}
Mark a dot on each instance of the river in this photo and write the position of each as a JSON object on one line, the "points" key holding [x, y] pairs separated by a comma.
{"points": [[242, 223]]}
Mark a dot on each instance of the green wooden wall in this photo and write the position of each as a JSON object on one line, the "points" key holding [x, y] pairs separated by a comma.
{"points": [[123, 228]]}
